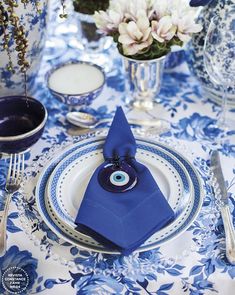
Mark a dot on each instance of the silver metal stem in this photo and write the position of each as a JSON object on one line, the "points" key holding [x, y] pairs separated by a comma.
{"points": [[3, 225], [229, 234], [13, 181]]}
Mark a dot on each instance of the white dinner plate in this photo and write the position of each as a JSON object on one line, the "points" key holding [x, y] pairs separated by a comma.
{"points": [[186, 200], [69, 180]]}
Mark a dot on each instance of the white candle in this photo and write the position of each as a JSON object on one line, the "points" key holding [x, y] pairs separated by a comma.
{"points": [[76, 79]]}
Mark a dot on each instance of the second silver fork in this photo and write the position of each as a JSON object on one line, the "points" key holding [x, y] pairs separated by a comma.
{"points": [[13, 181]]}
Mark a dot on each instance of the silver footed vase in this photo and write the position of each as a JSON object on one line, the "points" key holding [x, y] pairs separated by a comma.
{"points": [[143, 80]]}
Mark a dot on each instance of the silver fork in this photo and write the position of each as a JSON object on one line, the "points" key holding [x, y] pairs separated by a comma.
{"points": [[14, 177]]}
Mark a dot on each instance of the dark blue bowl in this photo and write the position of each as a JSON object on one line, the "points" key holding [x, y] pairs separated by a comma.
{"points": [[22, 122]]}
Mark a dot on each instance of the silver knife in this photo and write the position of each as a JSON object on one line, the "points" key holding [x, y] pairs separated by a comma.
{"points": [[225, 212]]}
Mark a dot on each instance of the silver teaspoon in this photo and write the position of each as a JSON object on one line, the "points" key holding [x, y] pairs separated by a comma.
{"points": [[85, 120]]}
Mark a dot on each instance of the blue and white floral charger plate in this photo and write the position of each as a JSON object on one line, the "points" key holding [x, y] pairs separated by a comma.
{"points": [[59, 197], [67, 253], [68, 181]]}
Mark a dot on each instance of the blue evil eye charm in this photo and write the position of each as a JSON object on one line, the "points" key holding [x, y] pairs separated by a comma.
{"points": [[117, 178]]}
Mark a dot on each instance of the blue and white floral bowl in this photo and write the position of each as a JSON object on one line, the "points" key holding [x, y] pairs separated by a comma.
{"points": [[78, 99]]}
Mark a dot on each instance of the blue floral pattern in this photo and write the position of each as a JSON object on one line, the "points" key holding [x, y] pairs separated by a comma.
{"points": [[192, 116], [22, 259], [196, 127]]}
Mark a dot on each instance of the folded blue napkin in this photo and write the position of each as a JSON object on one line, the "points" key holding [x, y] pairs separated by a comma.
{"points": [[123, 205]]}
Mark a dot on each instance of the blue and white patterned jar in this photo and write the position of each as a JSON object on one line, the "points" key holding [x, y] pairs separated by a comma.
{"points": [[195, 51], [34, 24], [174, 59]]}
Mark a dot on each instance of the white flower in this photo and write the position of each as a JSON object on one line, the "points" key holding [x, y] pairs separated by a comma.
{"points": [[109, 21], [139, 22], [135, 36], [186, 25], [120, 6], [183, 17], [160, 9], [164, 30], [181, 7], [137, 8]]}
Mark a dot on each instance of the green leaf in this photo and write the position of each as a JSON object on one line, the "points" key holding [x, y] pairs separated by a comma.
{"points": [[90, 6]]}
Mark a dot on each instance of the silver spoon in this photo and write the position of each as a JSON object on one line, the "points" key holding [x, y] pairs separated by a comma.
{"points": [[85, 120]]}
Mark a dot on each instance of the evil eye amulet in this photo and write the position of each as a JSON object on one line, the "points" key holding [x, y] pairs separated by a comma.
{"points": [[117, 178]]}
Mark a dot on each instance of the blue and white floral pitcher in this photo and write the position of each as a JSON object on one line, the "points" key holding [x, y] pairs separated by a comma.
{"points": [[195, 52], [34, 24]]}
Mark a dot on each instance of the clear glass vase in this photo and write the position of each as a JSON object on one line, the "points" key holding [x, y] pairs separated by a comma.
{"points": [[91, 39], [143, 81]]}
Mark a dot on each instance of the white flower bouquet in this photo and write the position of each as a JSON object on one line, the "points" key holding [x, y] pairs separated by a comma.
{"points": [[147, 29]]}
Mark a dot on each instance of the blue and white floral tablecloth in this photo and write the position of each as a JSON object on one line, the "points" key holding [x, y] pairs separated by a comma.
{"points": [[199, 269]]}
